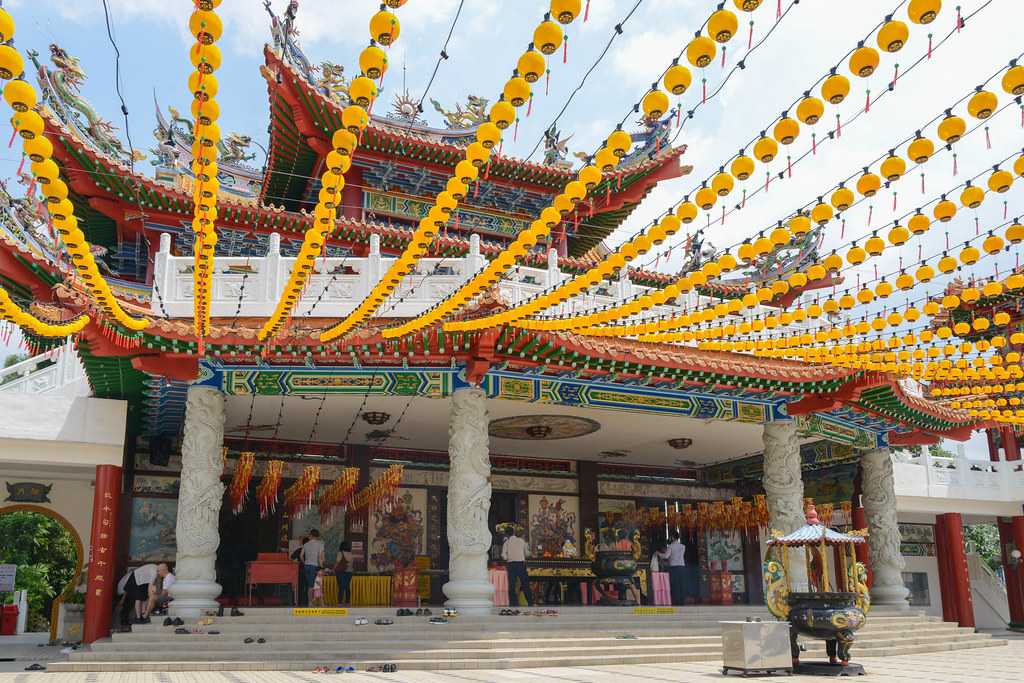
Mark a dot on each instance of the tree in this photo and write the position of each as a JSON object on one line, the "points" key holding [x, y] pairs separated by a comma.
{"points": [[46, 555], [14, 358], [983, 540]]}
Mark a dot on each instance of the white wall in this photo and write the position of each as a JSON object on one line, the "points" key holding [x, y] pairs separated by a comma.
{"points": [[930, 566]]}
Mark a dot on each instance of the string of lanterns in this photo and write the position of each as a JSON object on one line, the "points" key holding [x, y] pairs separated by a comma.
{"points": [[373, 63], [517, 92], [338, 494], [266, 492], [976, 389], [722, 25], [380, 492], [892, 167], [206, 26], [238, 489], [298, 498], [10, 311], [30, 127]]}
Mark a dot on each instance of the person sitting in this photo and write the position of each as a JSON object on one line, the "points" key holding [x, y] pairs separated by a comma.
{"points": [[159, 597]]}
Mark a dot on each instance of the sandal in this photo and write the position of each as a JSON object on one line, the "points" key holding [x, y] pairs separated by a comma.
{"points": [[261, 640], [182, 631], [384, 622], [35, 666], [248, 641]]}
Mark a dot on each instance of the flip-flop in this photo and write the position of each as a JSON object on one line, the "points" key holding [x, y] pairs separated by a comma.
{"points": [[376, 668], [182, 631], [35, 666], [261, 640], [248, 641]]}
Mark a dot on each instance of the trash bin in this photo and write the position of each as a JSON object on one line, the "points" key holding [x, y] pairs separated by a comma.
{"points": [[8, 620]]}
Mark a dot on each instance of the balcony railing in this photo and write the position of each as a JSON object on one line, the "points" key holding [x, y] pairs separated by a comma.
{"points": [[960, 478], [251, 287], [54, 371]]}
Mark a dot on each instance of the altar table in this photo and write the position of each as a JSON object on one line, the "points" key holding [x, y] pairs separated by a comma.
{"points": [[371, 590], [272, 568]]}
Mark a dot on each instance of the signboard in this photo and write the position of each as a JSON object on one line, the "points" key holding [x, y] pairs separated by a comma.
{"points": [[27, 492], [7, 574], [319, 611]]}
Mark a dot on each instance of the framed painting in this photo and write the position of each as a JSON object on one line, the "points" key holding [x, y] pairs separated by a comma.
{"points": [[152, 537]]}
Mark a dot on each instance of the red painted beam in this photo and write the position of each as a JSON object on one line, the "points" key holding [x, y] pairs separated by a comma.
{"points": [[177, 366], [811, 404], [915, 438]]}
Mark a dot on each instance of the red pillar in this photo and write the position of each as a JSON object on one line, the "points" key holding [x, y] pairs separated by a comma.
{"points": [[1014, 578], [101, 587], [949, 612], [993, 445], [1011, 447], [960, 590]]}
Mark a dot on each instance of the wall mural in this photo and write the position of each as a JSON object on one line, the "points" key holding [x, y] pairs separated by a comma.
{"points": [[725, 546], [149, 484], [153, 536], [398, 532], [542, 427], [610, 522], [554, 525]]}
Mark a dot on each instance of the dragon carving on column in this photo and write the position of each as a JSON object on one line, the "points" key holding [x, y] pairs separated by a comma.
{"points": [[469, 490]]}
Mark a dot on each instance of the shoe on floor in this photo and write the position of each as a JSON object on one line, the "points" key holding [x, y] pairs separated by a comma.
{"points": [[427, 612], [248, 641], [235, 612], [35, 666], [168, 622], [220, 611], [178, 621], [261, 640], [182, 631], [438, 620]]}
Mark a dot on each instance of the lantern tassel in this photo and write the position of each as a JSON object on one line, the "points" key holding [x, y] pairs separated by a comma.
{"points": [[867, 102], [988, 139], [565, 50], [922, 183], [789, 166], [839, 126], [929, 46], [515, 130], [778, 10], [954, 164], [679, 115], [547, 83], [959, 19], [704, 88], [893, 201], [750, 37], [871, 211], [723, 56], [743, 202], [586, 12], [814, 144]]}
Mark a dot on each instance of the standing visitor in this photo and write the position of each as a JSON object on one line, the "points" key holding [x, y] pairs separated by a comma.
{"points": [[312, 561], [297, 557], [514, 552], [659, 589], [676, 556], [343, 571]]}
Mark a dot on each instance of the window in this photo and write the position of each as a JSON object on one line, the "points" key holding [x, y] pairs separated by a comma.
{"points": [[917, 584]]}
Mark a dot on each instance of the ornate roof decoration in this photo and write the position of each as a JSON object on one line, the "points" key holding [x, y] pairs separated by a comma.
{"points": [[61, 91], [556, 150], [470, 116]]}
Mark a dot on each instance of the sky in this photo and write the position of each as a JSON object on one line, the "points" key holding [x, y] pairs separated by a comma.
{"points": [[811, 38]]}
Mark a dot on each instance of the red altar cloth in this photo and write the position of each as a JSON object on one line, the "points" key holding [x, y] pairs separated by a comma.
{"points": [[271, 568]]}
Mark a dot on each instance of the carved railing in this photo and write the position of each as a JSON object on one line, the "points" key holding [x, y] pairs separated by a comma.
{"points": [[49, 372], [251, 287], [959, 478]]}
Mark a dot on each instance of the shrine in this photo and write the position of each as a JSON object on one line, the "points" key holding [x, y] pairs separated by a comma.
{"points": [[393, 337]]}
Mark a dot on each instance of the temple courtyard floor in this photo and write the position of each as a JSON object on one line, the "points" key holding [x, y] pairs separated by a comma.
{"points": [[992, 664]]}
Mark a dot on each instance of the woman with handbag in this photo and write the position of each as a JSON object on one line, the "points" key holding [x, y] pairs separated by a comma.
{"points": [[343, 572]]}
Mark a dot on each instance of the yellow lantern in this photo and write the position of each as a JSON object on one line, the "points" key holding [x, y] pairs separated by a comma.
{"points": [[1015, 233], [884, 289], [972, 196], [619, 141], [6, 31], [384, 27], [677, 79], [457, 188], [1013, 80], [202, 86], [799, 225], [606, 160], [531, 65], [29, 124], [722, 25], [205, 112], [863, 61], [722, 183], [20, 95], [875, 245], [488, 135], [477, 154], [865, 296], [833, 262], [517, 91], [38, 148], [1018, 165], [547, 37], [654, 104], [810, 109], [705, 197], [466, 171], [970, 255], [344, 142], [856, 255], [944, 210], [373, 61], [747, 5], [921, 149], [686, 211], [842, 198], [835, 88], [893, 35], [765, 149], [816, 272], [993, 244], [354, 118], [898, 235], [982, 104], [1000, 180], [868, 184], [893, 167], [205, 58], [205, 26], [925, 273], [947, 264], [565, 10], [786, 130], [502, 114], [701, 51], [742, 167], [821, 213], [918, 223], [951, 128], [779, 236]]}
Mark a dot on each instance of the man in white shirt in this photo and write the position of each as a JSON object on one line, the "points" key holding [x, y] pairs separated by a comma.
{"points": [[676, 556], [159, 597], [312, 560], [515, 551]]}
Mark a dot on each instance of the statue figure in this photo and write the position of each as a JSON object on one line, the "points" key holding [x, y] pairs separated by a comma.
{"points": [[637, 547], [589, 546], [474, 113], [62, 91], [333, 83], [231, 149], [285, 33], [555, 149], [800, 251]]}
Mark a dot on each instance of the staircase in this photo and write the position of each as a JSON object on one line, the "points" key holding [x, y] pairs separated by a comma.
{"points": [[587, 636]]}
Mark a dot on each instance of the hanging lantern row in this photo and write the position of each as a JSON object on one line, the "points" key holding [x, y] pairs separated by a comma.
{"points": [[207, 28], [547, 38], [30, 127], [362, 91], [298, 498], [995, 401], [339, 494], [917, 224], [832, 306], [380, 493], [868, 184], [266, 492], [238, 489], [978, 389], [10, 311]]}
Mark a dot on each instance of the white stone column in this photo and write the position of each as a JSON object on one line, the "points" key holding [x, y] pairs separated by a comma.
{"points": [[784, 488], [199, 500], [469, 588], [878, 495]]}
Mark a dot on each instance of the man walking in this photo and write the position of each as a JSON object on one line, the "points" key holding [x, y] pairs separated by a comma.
{"points": [[675, 554], [514, 552]]}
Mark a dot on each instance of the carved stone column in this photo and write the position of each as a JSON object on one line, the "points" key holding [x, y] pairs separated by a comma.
{"points": [[469, 500], [784, 487], [199, 500], [878, 494]]}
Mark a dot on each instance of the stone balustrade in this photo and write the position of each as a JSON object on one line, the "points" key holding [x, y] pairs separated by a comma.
{"points": [[959, 478]]}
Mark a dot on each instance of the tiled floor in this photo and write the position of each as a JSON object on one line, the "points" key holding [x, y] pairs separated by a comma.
{"points": [[991, 665]]}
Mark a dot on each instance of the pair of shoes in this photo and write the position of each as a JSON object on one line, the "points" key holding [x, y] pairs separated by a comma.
{"points": [[345, 669], [427, 612], [451, 612], [35, 666], [384, 622], [182, 631], [320, 670], [213, 633], [438, 620], [403, 612], [419, 612], [250, 641], [168, 622], [235, 612], [361, 621]]}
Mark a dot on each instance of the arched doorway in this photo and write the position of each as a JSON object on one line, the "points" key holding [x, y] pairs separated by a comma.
{"points": [[49, 553]]}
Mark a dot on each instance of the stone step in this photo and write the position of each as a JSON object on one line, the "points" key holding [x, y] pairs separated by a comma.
{"points": [[524, 662]]}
